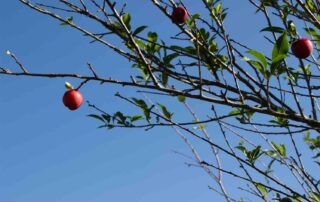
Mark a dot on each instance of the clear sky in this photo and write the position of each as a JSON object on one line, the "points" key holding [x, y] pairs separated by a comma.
{"points": [[48, 153]]}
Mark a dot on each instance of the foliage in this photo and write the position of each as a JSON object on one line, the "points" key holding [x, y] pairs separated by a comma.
{"points": [[265, 94]]}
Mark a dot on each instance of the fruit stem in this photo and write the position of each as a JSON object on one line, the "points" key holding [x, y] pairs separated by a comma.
{"points": [[82, 83]]}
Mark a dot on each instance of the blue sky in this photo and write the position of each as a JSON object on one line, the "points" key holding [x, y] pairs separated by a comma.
{"points": [[51, 154]]}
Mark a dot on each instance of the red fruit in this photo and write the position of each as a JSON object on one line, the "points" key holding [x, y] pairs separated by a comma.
{"points": [[72, 99], [179, 15], [302, 48]]}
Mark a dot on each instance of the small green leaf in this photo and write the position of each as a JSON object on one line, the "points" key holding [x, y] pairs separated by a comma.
{"points": [[140, 43], [235, 112], [281, 149], [200, 125], [144, 107], [204, 34], [281, 48], [262, 59], [191, 22], [316, 197], [164, 78], [139, 29], [136, 118], [286, 199], [165, 112], [242, 149], [69, 20], [278, 58], [168, 58], [310, 5], [292, 28], [213, 47], [106, 117], [262, 189], [254, 154], [121, 119], [271, 153], [209, 2], [218, 8], [126, 19], [95, 116], [181, 98], [307, 136], [152, 36], [273, 29]]}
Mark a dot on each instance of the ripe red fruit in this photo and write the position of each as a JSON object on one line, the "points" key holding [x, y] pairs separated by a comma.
{"points": [[302, 48], [72, 99], [179, 15]]}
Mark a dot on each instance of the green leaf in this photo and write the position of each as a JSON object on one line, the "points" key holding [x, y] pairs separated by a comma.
{"points": [[281, 149], [315, 197], [310, 5], [209, 3], [204, 34], [119, 117], [191, 22], [297, 199], [144, 107], [314, 144], [102, 126], [69, 20], [307, 137], [242, 149], [189, 49], [109, 126], [254, 154], [262, 59], [278, 58], [152, 47], [279, 120], [286, 199], [235, 112], [126, 19], [152, 36], [106, 117], [164, 78], [292, 28], [213, 47], [139, 29], [218, 8], [140, 103], [168, 58], [257, 65], [280, 48], [271, 153], [136, 118], [165, 112], [140, 43], [273, 29], [200, 125], [181, 98], [262, 189], [224, 15], [95, 116]]}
